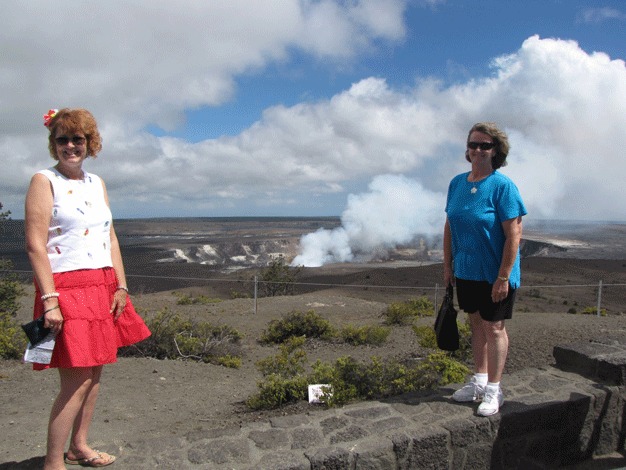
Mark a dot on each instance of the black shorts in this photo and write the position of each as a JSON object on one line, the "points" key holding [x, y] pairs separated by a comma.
{"points": [[475, 296]]}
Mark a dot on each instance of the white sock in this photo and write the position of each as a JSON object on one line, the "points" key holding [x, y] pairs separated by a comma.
{"points": [[481, 379], [493, 385]]}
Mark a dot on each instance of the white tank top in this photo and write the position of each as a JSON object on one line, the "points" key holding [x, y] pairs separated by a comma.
{"points": [[79, 236]]}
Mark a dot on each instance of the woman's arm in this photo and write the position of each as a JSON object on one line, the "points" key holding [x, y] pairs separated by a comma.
{"points": [[121, 296], [448, 270], [38, 209], [513, 234]]}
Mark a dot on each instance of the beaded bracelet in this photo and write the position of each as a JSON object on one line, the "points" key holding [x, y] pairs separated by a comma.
{"points": [[122, 288], [49, 296]]}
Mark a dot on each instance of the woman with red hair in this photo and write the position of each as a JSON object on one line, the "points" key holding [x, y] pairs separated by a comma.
{"points": [[80, 282]]}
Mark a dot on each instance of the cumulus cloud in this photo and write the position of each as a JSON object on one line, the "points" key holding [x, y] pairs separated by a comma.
{"points": [[141, 62], [563, 109]]}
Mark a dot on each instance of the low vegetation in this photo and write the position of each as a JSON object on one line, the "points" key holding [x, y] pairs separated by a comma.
{"points": [[278, 278], [589, 311], [12, 338], [309, 325], [428, 339], [347, 379], [175, 337], [357, 336], [404, 313]]}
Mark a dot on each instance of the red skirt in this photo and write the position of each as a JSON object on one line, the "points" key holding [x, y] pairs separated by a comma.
{"points": [[89, 336]]}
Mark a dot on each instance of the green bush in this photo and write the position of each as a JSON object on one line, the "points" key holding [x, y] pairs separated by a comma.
{"points": [[289, 363], [594, 311], [239, 295], [297, 323], [428, 339], [348, 379], [402, 313], [446, 369], [364, 335], [174, 337], [422, 307], [276, 391], [351, 380], [426, 335], [232, 362], [12, 339], [278, 278], [10, 289]]}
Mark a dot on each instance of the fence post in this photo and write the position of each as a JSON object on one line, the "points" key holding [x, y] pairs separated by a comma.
{"points": [[256, 283], [599, 296]]}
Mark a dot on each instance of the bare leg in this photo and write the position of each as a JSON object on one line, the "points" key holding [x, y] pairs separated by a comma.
{"points": [[479, 343], [78, 440], [75, 383], [497, 348], [78, 448]]}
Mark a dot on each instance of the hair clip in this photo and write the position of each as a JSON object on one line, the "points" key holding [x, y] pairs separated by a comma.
{"points": [[48, 117]]}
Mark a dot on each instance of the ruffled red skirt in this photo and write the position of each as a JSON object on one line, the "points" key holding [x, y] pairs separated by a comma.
{"points": [[89, 336]]}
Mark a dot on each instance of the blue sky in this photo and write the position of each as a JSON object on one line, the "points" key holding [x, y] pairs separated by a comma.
{"points": [[452, 41], [297, 107]]}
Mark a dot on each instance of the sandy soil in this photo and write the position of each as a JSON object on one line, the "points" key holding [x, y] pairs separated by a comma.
{"points": [[143, 398]]}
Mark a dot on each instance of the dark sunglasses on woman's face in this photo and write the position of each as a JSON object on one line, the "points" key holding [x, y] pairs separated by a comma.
{"points": [[64, 140], [481, 145]]}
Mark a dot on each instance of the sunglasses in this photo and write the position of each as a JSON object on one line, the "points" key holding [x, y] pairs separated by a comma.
{"points": [[481, 145], [64, 140]]}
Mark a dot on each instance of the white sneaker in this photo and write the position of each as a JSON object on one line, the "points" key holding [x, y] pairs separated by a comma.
{"points": [[470, 392], [493, 400]]}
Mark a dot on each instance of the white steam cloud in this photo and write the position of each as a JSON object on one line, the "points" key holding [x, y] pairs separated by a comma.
{"points": [[395, 211]]}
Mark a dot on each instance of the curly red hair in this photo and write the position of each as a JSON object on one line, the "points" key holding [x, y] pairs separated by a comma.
{"points": [[73, 121]]}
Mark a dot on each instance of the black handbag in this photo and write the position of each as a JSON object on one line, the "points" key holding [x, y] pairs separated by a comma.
{"points": [[446, 328], [35, 331]]}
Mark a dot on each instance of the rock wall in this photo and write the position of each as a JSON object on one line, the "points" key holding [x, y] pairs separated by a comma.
{"points": [[551, 417]]}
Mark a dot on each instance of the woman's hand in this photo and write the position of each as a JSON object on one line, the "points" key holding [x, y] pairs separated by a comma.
{"points": [[500, 290], [119, 303], [53, 320]]}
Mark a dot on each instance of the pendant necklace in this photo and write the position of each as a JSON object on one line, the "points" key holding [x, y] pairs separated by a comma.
{"points": [[474, 189]]}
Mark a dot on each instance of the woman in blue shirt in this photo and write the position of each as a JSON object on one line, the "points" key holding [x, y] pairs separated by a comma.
{"points": [[481, 256]]}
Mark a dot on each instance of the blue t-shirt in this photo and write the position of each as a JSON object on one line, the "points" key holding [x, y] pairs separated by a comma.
{"points": [[475, 218]]}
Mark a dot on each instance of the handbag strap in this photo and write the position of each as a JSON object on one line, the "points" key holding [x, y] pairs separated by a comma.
{"points": [[450, 291]]}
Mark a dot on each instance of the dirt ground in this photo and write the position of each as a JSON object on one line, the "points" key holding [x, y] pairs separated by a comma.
{"points": [[142, 397]]}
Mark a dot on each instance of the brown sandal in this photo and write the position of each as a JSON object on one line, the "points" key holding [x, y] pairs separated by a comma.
{"points": [[92, 461]]}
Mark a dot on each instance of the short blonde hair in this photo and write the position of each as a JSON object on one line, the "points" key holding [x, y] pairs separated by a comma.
{"points": [[499, 138], [72, 121]]}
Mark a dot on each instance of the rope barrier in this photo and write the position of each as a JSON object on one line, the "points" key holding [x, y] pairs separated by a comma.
{"points": [[333, 285]]}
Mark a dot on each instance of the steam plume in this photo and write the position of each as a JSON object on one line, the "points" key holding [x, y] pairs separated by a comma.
{"points": [[395, 211]]}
